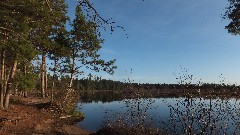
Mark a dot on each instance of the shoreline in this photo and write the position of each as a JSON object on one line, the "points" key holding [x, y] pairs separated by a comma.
{"points": [[33, 116]]}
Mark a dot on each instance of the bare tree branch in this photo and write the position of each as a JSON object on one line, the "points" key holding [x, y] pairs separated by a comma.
{"points": [[98, 18]]}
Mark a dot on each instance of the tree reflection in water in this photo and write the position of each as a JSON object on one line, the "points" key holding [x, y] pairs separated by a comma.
{"points": [[203, 116]]}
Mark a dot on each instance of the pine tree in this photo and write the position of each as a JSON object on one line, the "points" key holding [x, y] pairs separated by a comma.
{"points": [[85, 42], [30, 28], [232, 13]]}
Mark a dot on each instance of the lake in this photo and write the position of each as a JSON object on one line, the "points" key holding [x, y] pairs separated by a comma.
{"points": [[171, 115]]}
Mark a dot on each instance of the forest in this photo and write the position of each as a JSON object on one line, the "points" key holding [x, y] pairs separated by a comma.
{"points": [[33, 35], [47, 55]]}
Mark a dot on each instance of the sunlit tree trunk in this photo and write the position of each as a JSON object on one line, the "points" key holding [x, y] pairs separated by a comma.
{"points": [[43, 75], [72, 68], [15, 90], [46, 82], [54, 77], [2, 79], [9, 84]]}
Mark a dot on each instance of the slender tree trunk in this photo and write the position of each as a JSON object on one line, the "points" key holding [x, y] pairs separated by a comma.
{"points": [[6, 77], [25, 94], [25, 74], [2, 79], [71, 81], [9, 84], [53, 87], [15, 90], [72, 72], [46, 83], [72, 68], [43, 74], [54, 77], [72, 75]]}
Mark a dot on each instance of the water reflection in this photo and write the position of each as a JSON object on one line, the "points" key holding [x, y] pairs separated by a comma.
{"points": [[203, 116], [103, 96], [174, 115], [95, 113]]}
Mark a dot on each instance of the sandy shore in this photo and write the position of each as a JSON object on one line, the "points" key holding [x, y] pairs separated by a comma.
{"points": [[31, 116]]}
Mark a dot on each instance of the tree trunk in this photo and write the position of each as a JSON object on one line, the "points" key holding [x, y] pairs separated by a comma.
{"points": [[54, 77], [15, 90], [2, 79], [72, 68], [72, 74], [1, 97], [43, 74], [46, 83], [25, 74], [25, 94], [53, 86], [9, 84]]}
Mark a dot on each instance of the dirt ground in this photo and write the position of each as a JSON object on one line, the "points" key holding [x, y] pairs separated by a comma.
{"points": [[33, 116]]}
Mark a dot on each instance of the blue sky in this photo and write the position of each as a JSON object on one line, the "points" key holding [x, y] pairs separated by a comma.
{"points": [[166, 34]]}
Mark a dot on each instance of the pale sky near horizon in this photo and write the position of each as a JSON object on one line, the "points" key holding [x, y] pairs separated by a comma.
{"points": [[166, 34]]}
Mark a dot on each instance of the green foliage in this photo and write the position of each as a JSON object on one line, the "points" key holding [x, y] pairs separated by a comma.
{"points": [[26, 83], [66, 99], [26, 79], [29, 28], [103, 84], [232, 13], [77, 114], [85, 42]]}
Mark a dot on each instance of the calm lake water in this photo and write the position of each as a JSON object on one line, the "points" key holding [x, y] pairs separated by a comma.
{"points": [[171, 115]]}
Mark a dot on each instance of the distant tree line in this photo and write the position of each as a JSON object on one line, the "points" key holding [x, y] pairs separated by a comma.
{"points": [[88, 84], [109, 85], [189, 86]]}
